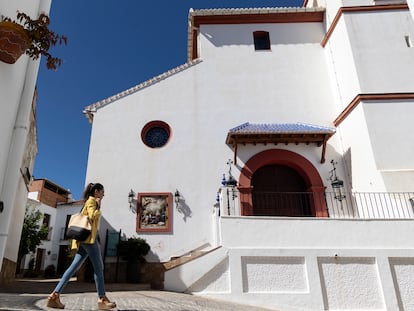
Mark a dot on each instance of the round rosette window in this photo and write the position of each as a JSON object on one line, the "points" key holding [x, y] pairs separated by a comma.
{"points": [[156, 134]]}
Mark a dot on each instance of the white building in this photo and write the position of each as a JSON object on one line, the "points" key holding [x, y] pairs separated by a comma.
{"points": [[18, 144], [56, 205], [281, 92]]}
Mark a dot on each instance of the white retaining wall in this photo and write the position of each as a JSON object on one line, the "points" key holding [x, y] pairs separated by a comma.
{"points": [[306, 264]]}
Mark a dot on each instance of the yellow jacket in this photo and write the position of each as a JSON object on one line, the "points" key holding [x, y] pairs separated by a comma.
{"points": [[92, 209]]}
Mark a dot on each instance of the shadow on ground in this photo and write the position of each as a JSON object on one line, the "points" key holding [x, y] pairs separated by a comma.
{"points": [[46, 286]]}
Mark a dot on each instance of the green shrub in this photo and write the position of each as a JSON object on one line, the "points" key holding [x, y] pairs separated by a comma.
{"points": [[133, 249]]}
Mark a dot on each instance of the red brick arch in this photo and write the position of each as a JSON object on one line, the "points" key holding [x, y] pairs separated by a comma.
{"points": [[282, 157]]}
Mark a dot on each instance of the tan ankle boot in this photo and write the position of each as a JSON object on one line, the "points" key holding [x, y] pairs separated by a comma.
{"points": [[53, 301], [105, 304]]}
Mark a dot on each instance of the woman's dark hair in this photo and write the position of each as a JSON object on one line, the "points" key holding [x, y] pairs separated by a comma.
{"points": [[90, 190]]}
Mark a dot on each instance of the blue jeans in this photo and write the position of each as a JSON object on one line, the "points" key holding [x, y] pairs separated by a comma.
{"points": [[94, 253]]}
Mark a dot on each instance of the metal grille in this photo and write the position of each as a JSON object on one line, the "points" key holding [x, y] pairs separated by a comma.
{"points": [[281, 203], [361, 205]]}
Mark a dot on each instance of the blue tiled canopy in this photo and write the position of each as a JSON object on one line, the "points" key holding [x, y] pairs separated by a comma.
{"points": [[279, 133]]}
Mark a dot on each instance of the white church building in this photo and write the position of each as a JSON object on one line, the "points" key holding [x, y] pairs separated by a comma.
{"points": [[278, 160]]}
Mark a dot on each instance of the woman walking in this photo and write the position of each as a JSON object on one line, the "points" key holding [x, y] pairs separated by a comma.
{"points": [[92, 196]]}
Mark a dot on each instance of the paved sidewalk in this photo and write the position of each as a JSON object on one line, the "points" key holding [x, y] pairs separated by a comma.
{"points": [[27, 294]]}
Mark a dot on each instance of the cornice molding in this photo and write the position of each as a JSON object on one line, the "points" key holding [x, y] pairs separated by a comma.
{"points": [[369, 8], [365, 97]]}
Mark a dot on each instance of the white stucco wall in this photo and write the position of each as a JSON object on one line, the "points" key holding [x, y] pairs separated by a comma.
{"points": [[411, 6], [362, 173], [376, 149], [252, 81], [360, 51], [15, 229], [376, 38], [17, 84], [305, 264], [122, 164], [361, 46], [232, 85], [389, 124], [344, 77]]}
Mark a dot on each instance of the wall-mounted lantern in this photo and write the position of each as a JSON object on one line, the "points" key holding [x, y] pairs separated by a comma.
{"points": [[231, 181], [177, 197], [132, 201], [336, 183]]}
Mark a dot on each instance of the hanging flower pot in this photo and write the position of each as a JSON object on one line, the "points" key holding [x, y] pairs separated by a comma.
{"points": [[14, 41], [30, 36]]}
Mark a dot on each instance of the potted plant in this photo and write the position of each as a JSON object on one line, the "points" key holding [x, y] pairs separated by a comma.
{"points": [[30, 36], [133, 251]]}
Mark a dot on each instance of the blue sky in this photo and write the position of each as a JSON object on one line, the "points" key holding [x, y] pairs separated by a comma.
{"points": [[112, 46]]}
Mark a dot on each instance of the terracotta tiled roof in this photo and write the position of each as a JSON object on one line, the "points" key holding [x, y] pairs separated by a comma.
{"points": [[266, 10]]}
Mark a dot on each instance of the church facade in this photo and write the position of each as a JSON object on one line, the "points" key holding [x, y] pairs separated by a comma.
{"points": [[276, 160]]}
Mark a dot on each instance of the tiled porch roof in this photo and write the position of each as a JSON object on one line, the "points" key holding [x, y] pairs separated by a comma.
{"points": [[279, 133], [280, 128]]}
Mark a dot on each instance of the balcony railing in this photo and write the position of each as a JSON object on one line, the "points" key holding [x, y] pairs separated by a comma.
{"points": [[372, 205], [361, 205]]}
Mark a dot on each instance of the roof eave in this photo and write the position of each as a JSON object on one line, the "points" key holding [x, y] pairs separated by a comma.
{"points": [[89, 115], [277, 138], [89, 110], [318, 138]]}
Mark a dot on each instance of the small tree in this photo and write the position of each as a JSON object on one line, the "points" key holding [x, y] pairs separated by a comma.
{"points": [[33, 232]]}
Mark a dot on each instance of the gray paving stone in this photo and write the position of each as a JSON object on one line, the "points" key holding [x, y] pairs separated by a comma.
{"points": [[32, 295]]}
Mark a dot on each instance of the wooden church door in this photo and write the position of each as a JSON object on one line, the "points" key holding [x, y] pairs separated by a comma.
{"points": [[279, 190]]}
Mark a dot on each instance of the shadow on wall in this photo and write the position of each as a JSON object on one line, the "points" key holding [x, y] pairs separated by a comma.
{"points": [[279, 34], [183, 208]]}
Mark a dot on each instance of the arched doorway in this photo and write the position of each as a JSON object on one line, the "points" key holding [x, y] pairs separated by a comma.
{"points": [[301, 173], [279, 190]]}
